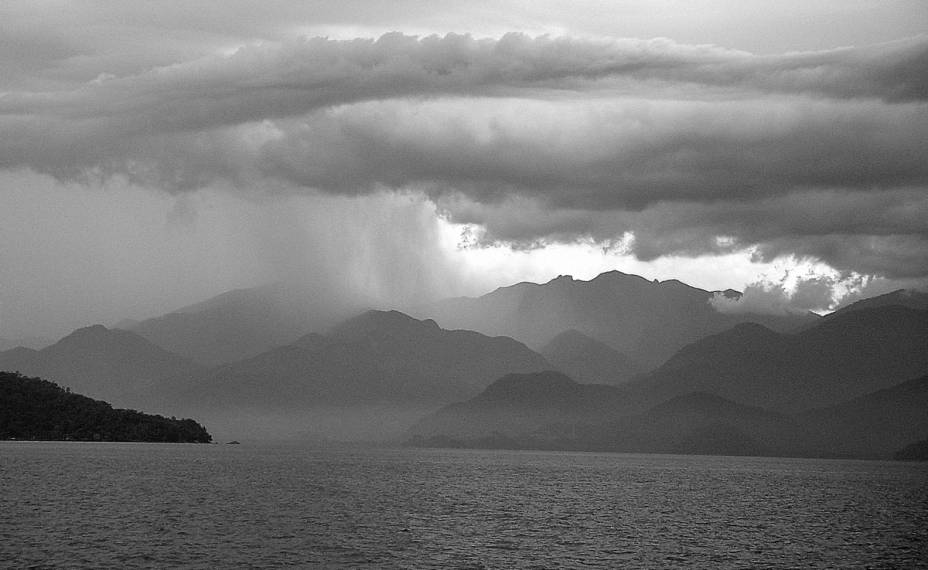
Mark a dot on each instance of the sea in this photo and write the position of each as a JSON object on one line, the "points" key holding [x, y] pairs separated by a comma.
{"points": [[261, 505]]}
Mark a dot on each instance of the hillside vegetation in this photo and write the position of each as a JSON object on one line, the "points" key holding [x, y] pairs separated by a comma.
{"points": [[36, 409]]}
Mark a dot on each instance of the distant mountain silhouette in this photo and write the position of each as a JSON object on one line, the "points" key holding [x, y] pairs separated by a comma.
{"points": [[19, 358], [901, 297], [35, 409], [376, 357], [646, 320], [549, 410], [239, 324], [462, 356], [851, 354], [114, 365], [588, 360], [728, 383], [873, 425], [518, 405], [698, 423], [33, 342]]}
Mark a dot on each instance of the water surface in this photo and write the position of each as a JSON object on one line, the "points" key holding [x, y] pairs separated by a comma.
{"points": [[207, 506]]}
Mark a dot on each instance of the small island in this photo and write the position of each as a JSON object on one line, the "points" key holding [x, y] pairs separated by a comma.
{"points": [[39, 410]]}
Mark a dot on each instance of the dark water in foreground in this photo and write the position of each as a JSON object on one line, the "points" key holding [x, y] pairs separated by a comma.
{"points": [[148, 505]]}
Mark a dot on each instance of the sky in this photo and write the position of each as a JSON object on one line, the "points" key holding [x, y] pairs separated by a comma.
{"points": [[155, 154]]}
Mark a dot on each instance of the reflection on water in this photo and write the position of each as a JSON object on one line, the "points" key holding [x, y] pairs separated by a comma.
{"points": [[149, 505]]}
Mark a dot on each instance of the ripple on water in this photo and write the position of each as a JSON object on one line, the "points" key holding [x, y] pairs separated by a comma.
{"points": [[154, 506]]}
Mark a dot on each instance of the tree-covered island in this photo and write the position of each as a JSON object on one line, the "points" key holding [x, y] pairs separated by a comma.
{"points": [[36, 409]]}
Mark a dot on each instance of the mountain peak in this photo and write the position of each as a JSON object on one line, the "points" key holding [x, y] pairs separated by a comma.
{"points": [[612, 274], [742, 336], [97, 334], [97, 338], [381, 322], [92, 333]]}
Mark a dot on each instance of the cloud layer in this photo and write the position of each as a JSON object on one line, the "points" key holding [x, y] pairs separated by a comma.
{"points": [[667, 148]]}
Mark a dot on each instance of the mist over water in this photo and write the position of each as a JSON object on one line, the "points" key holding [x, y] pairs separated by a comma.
{"points": [[360, 423], [151, 506]]}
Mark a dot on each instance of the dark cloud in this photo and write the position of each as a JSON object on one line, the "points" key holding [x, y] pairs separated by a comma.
{"points": [[616, 154], [132, 124], [894, 256], [868, 232], [666, 149], [258, 82], [626, 154]]}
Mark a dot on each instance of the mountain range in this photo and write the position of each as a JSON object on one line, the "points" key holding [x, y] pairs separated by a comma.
{"points": [[259, 362], [550, 411], [239, 324], [377, 357], [647, 321], [519, 405], [850, 354]]}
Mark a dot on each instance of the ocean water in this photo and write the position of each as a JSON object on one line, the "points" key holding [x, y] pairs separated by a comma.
{"points": [[217, 506]]}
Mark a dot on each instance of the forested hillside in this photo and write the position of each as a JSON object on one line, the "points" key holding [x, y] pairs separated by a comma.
{"points": [[36, 409]]}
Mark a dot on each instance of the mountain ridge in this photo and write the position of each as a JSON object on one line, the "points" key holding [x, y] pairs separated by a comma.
{"points": [[379, 359], [852, 354], [558, 416], [240, 323], [111, 364], [643, 319]]}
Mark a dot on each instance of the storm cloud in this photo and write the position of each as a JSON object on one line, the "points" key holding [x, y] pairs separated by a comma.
{"points": [[80, 128], [649, 146]]}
